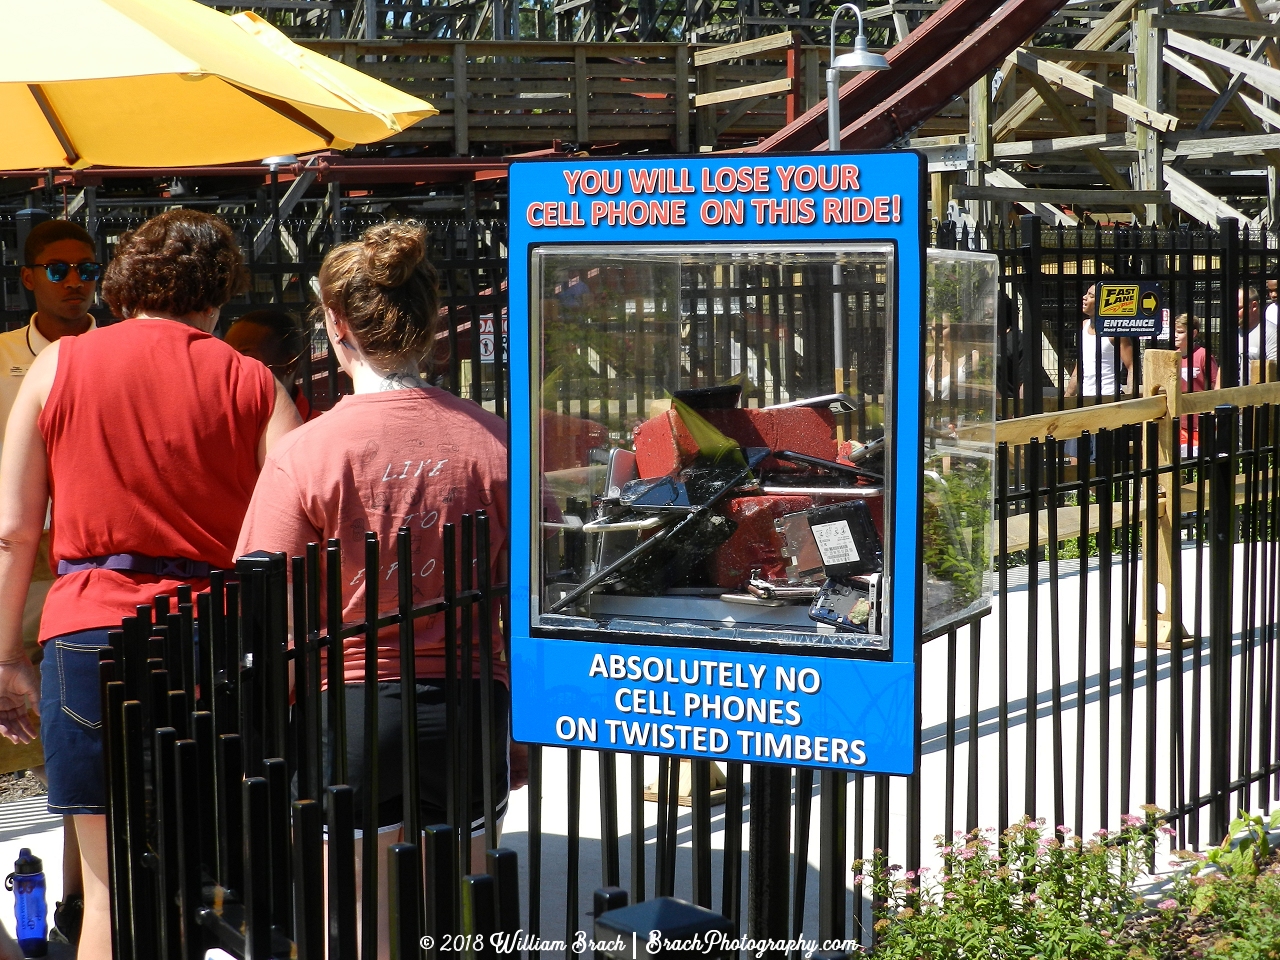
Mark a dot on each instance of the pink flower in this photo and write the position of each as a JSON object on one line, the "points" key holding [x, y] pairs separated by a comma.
{"points": [[1033, 897], [857, 878], [911, 875], [1131, 820], [1063, 828], [1168, 831], [1167, 904], [968, 853], [945, 850]]}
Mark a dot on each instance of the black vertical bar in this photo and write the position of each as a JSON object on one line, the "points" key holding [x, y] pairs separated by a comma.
{"points": [[660, 840], [638, 829], [671, 801], [308, 873], [335, 665], [278, 860], [800, 859], [257, 874], [452, 748], [230, 811], [1083, 631], [1035, 455], [141, 889], [342, 873], [1106, 472], [1152, 585], [1054, 459], [700, 808], [1229, 343], [949, 799], [439, 853], [207, 770], [118, 837], [610, 869], [408, 694], [832, 864], [574, 757], [204, 629], [479, 915], [1002, 670], [971, 781], [464, 732], [187, 645], [312, 732], [1221, 562], [535, 845], [187, 804], [403, 871], [303, 704], [490, 746], [731, 883], [503, 865], [769, 854], [369, 788], [166, 822]]}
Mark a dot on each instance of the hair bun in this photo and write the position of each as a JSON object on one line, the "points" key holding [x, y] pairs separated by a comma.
{"points": [[393, 251]]}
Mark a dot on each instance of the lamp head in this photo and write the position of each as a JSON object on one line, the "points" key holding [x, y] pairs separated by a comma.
{"points": [[860, 59]]}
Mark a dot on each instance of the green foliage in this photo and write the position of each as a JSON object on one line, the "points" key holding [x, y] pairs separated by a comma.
{"points": [[1061, 897], [1026, 895], [957, 525]]}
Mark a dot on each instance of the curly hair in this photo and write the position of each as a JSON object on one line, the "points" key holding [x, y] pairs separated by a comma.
{"points": [[384, 286], [178, 263]]}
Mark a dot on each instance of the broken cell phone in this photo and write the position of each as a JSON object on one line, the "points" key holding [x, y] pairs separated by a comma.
{"points": [[851, 605], [847, 540]]}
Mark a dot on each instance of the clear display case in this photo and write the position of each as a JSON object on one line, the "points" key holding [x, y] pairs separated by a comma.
{"points": [[715, 445]]}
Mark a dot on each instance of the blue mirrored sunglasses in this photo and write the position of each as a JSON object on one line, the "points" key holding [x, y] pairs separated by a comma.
{"points": [[56, 270]]}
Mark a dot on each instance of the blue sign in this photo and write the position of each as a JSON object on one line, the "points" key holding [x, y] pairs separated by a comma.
{"points": [[821, 705]]}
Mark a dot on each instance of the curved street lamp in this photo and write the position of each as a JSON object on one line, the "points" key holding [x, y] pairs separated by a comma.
{"points": [[859, 60]]}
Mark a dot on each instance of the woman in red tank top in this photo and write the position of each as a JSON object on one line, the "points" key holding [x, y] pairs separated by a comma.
{"points": [[149, 435]]}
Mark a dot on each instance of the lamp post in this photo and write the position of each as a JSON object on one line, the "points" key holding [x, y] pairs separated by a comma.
{"points": [[859, 60]]}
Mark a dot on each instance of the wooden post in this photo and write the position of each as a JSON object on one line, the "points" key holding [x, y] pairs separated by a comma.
{"points": [[461, 134], [1162, 374], [980, 139], [794, 102], [706, 132], [581, 95], [682, 98], [1149, 67]]}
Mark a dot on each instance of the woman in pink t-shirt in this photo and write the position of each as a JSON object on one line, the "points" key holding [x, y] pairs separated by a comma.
{"points": [[398, 452], [1199, 373]]}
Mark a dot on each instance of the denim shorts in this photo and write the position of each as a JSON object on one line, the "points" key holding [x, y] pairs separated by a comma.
{"points": [[71, 723]]}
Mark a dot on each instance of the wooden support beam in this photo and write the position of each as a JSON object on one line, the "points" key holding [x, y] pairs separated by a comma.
{"points": [[1202, 146], [461, 133], [1162, 376], [1064, 195], [1212, 76], [1250, 8], [1062, 113], [1217, 26], [1030, 149], [1092, 90], [1189, 196], [1072, 54], [736, 51], [581, 96], [1149, 41], [1066, 424], [1265, 78], [1050, 214], [743, 92], [1097, 39]]}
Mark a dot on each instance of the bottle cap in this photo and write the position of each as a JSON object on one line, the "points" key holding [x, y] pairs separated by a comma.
{"points": [[27, 863]]}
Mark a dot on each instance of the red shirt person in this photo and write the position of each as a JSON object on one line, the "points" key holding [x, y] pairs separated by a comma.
{"points": [[396, 453], [148, 435]]}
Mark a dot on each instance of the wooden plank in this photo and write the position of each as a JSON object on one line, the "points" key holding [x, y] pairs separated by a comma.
{"points": [[581, 93], [1049, 214], [1066, 424], [1092, 90], [1072, 54], [742, 93], [682, 101], [734, 51], [1251, 395], [1216, 26], [1202, 146], [1063, 195], [1019, 527], [1097, 39], [1250, 8], [1188, 195], [1188, 498], [1265, 78], [1018, 149]]}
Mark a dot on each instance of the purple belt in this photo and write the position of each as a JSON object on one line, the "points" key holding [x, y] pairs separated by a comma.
{"points": [[179, 568]]}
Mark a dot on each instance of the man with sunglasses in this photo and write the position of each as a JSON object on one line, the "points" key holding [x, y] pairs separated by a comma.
{"points": [[60, 269]]}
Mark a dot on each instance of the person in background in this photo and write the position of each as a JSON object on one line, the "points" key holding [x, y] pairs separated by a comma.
{"points": [[150, 434], [278, 340], [1095, 375], [398, 452], [1199, 370], [61, 269]]}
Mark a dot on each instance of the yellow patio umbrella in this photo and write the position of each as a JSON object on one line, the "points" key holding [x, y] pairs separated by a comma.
{"points": [[170, 83]]}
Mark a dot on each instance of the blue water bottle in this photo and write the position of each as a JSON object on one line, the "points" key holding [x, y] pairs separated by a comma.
{"points": [[29, 906]]}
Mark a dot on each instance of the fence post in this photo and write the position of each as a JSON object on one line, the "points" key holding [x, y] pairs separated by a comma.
{"points": [[1221, 564], [1031, 326], [1228, 330], [1161, 375], [768, 860]]}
